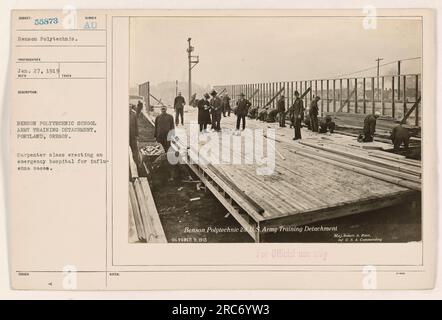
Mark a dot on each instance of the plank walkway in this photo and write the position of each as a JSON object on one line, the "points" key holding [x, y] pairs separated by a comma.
{"points": [[319, 177]]}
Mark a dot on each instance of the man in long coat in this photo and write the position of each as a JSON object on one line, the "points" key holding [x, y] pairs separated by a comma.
{"points": [[216, 109], [313, 113], [163, 125], [178, 105], [280, 106], [204, 112], [242, 109], [297, 111]]}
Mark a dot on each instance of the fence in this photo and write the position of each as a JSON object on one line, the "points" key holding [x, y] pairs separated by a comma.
{"points": [[392, 96]]}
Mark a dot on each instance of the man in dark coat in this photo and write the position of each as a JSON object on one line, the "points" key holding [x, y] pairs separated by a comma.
{"points": [[163, 125], [178, 105], [216, 108], [313, 113], [204, 112], [326, 124], [370, 127], [242, 108], [139, 107], [297, 110], [280, 106], [399, 136], [133, 133], [226, 104]]}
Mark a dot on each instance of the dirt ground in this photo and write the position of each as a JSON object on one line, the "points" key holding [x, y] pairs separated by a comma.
{"points": [[189, 213]]}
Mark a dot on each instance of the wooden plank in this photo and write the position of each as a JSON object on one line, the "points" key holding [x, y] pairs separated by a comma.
{"points": [[132, 165], [274, 97], [152, 211], [404, 119], [132, 234], [363, 158], [370, 204], [136, 212], [368, 172], [148, 228]]}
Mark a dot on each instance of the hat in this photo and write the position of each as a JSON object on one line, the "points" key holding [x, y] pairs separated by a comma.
{"points": [[206, 95], [213, 93], [296, 93], [242, 94], [318, 98], [377, 113]]}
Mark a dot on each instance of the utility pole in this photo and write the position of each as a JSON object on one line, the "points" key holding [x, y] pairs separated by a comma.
{"points": [[193, 61], [377, 74]]}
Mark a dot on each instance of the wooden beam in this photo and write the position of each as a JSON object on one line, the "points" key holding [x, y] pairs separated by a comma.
{"points": [[274, 97], [346, 101], [404, 119]]}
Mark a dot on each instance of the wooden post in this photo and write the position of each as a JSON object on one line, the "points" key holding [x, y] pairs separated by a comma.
{"points": [[404, 93], [322, 95], [348, 95], [328, 90], [334, 95], [382, 96], [364, 104], [373, 102], [356, 95], [340, 94], [392, 97], [417, 97]]}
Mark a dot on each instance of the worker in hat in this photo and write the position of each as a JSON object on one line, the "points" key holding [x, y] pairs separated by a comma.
{"points": [[204, 112], [178, 105], [163, 125], [242, 108], [216, 109], [280, 106], [369, 127], [297, 111], [313, 114]]}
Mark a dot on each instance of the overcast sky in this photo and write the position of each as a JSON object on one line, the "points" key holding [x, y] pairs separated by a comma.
{"points": [[248, 50]]}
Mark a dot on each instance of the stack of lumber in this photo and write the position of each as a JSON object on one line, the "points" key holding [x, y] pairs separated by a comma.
{"points": [[143, 212], [356, 120], [374, 163]]}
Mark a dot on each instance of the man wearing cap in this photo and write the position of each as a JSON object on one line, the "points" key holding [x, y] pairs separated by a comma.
{"points": [[178, 105], [204, 112], [370, 126], [280, 106], [216, 107], [297, 111], [242, 108], [163, 125], [313, 113]]}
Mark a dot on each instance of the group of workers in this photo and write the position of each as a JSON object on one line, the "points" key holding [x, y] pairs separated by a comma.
{"points": [[212, 107]]}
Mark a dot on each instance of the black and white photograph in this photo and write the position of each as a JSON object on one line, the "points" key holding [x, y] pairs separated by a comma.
{"points": [[276, 129]]}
